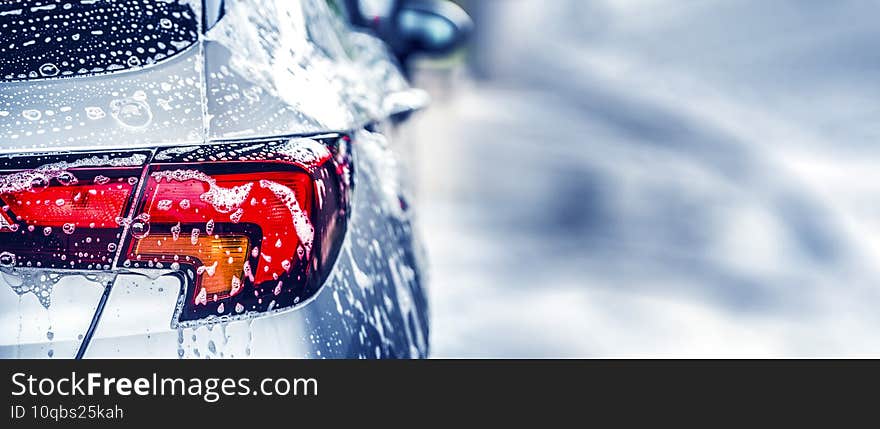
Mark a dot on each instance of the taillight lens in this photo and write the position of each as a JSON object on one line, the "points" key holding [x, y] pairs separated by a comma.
{"points": [[250, 227], [65, 215], [85, 198]]}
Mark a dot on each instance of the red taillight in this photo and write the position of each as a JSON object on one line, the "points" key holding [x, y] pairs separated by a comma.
{"points": [[278, 202], [84, 199], [254, 233], [250, 227], [194, 202], [67, 217]]}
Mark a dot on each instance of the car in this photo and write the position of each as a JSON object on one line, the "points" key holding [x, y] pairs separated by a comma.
{"points": [[211, 179]]}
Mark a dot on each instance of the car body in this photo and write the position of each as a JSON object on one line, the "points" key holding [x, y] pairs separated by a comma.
{"points": [[257, 93]]}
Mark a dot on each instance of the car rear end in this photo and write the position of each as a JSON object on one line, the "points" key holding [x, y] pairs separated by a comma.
{"points": [[170, 190]]}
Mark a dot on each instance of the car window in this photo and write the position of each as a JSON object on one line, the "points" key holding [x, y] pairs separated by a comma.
{"points": [[66, 38]]}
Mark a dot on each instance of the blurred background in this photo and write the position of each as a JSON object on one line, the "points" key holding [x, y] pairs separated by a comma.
{"points": [[612, 178]]}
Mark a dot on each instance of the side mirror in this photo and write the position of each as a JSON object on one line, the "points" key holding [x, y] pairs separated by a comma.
{"points": [[426, 27], [430, 27]]}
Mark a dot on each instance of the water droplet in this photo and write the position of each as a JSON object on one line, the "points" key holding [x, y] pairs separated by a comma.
{"points": [[164, 205], [236, 216], [66, 178], [32, 114], [39, 183], [131, 112], [202, 297], [236, 286], [175, 231], [7, 260], [140, 229], [95, 113], [49, 69], [68, 228]]}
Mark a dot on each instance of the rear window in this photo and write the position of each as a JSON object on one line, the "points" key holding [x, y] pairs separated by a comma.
{"points": [[66, 38]]}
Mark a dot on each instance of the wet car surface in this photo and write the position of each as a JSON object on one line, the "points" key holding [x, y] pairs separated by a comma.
{"points": [[178, 191]]}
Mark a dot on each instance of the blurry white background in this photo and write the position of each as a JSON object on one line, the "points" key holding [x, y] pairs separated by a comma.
{"points": [[655, 178]]}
